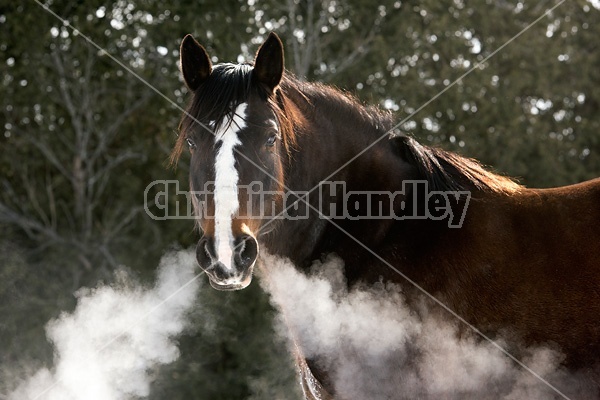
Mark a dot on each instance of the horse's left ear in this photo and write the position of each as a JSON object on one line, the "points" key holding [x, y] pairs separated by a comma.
{"points": [[195, 63], [269, 63]]}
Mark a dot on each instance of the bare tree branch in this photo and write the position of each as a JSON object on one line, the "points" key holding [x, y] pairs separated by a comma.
{"points": [[66, 205]]}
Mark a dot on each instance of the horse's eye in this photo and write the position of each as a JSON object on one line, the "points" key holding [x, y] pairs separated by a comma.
{"points": [[271, 141], [190, 143]]}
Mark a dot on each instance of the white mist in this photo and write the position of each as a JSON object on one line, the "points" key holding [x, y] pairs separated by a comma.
{"points": [[375, 347], [105, 349]]}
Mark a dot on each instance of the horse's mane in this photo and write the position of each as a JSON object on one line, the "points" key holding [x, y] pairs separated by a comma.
{"points": [[231, 84], [447, 171], [338, 103], [443, 170]]}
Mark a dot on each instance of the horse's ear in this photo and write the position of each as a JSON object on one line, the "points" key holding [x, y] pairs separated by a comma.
{"points": [[268, 63], [195, 63]]}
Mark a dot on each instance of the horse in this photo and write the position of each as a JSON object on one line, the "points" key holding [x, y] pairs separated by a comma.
{"points": [[501, 256]]}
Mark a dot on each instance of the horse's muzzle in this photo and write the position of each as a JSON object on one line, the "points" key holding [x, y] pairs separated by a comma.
{"points": [[239, 274]]}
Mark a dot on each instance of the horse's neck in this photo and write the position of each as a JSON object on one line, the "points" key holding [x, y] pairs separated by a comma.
{"points": [[334, 138], [334, 131]]}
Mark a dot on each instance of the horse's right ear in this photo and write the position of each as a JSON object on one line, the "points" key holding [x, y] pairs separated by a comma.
{"points": [[269, 62], [195, 63]]}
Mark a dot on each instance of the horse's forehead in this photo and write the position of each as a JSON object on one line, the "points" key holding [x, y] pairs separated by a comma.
{"points": [[250, 110], [243, 122], [233, 124], [259, 108], [258, 116]]}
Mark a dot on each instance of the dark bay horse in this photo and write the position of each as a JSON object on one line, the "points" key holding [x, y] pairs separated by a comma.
{"points": [[502, 256]]}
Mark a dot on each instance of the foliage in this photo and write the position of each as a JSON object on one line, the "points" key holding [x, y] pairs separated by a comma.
{"points": [[82, 137]]}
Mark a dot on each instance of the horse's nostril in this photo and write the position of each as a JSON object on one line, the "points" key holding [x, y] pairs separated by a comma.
{"points": [[246, 251], [204, 254]]}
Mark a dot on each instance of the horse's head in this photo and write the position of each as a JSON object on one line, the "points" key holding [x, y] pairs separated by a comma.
{"points": [[235, 131]]}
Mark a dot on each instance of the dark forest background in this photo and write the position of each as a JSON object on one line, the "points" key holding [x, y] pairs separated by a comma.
{"points": [[81, 138]]}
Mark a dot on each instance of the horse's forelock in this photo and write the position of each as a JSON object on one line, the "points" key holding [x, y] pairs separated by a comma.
{"points": [[229, 86]]}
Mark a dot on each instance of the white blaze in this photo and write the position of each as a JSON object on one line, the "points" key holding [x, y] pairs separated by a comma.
{"points": [[226, 180]]}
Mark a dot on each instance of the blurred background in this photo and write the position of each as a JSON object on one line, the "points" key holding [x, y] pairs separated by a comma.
{"points": [[81, 138]]}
